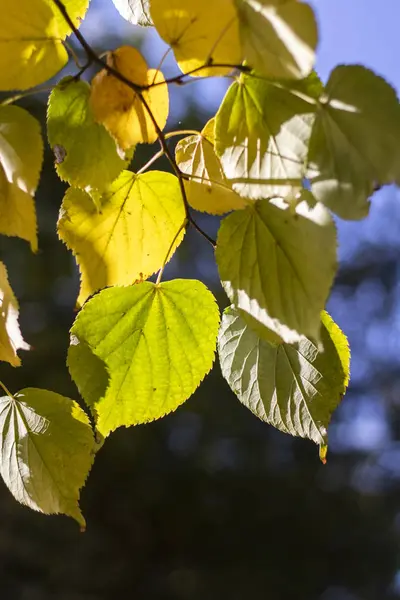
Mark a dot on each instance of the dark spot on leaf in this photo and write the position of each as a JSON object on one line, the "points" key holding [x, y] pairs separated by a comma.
{"points": [[60, 153]]}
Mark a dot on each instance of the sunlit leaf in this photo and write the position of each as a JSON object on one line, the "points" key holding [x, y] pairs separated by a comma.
{"points": [[128, 235], [278, 37], [262, 131], [135, 11], [157, 343], [208, 189], [11, 339], [76, 10], [21, 156], [294, 387], [47, 451], [200, 33], [85, 153], [119, 108], [278, 266], [355, 140]]}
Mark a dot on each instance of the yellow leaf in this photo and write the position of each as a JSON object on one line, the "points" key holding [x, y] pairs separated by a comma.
{"points": [[76, 10], [21, 155], [11, 339], [200, 32], [31, 49], [120, 109], [209, 190], [128, 235]]}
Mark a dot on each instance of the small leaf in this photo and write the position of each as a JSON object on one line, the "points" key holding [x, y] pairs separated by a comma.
{"points": [[208, 191], [157, 343], [89, 154], [21, 157], [279, 37], [200, 33], [294, 387], [278, 266], [355, 141], [262, 130], [120, 109], [31, 48], [128, 234], [76, 10], [11, 339], [135, 11], [47, 451]]}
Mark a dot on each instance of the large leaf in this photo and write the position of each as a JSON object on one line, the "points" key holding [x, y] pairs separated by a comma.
{"points": [[136, 225], [278, 37], [135, 11], [207, 189], [11, 339], [76, 10], [86, 154], [119, 108], [294, 387], [278, 266], [47, 451], [262, 132], [21, 156], [200, 33], [355, 140], [31, 49], [157, 343]]}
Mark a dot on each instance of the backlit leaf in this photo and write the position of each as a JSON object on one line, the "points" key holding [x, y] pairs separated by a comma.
{"points": [[294, 387], [89, 153], [127, 236], [11, 339], [355, 140], [157, 343], [21, 156], [278, 266], [120, 109], [47, 451], [135, 11], [200, 33], [31, 49], [278, 37], [76, 10]]}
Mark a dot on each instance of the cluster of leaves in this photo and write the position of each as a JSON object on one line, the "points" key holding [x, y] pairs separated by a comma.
{"points": [[281, 155]]}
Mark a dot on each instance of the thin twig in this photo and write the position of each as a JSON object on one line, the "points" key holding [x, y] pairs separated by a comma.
{"points": [[152, 160], [6, 390]]}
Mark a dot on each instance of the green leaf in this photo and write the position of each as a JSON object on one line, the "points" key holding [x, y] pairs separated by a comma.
{"points": [[47, 451], [279, 37], [278, 266], [135, 11], [355, 141], [133, 228], [11, 339], [157, 343], [262, 132], [86, 154], [294, 387], [21, 157]]}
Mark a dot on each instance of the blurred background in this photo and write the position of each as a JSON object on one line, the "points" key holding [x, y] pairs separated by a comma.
{"points": [[210, 503]]}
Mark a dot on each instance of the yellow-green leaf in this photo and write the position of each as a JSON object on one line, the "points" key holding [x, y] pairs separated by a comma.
{"points": [[21, 156], [137, 222], [11, 339], [157, 343], [76, 10]]}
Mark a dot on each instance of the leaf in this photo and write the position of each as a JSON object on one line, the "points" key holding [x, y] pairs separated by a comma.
{"points": [[127, 237], [135, 11], [157, 343], [21, 156], [120, 109], [277, 266], [76, 10], [89, 154], [294, 387], [47, 451], [355, 140], [31, 49], [279, 37], [200, 33], [208, 191], [262, 131], [11, 339]]}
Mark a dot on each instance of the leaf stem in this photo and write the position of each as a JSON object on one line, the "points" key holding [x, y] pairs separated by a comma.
{"points": [[160, 272], [152, 160], [12, 99], [171, 134], [6, 390]]}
